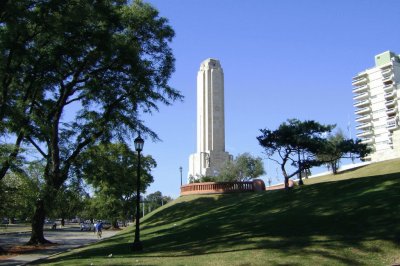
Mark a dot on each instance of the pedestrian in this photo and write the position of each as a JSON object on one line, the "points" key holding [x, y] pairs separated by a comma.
{"points": [[95, 228], [99, 228]]}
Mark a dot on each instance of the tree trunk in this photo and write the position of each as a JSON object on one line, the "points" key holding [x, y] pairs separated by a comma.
{"points": [[300, 168], [300, 180], [62, 222], [115, 224], [286, 183], [334, 168], [37, 236]]}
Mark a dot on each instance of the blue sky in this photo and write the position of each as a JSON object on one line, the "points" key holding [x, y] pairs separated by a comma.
{"points": [[281, 59]]}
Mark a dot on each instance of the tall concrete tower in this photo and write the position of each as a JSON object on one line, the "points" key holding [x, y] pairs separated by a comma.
{"points": [[210, 155]]}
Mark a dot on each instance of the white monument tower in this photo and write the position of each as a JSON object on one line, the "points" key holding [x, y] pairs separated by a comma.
{"points": [[210, 155]]}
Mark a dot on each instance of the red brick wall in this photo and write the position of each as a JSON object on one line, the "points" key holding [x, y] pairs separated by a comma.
{"points": [[222, 187]]}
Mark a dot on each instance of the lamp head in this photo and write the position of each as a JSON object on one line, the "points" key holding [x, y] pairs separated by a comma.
{"points": [[139, 142]]}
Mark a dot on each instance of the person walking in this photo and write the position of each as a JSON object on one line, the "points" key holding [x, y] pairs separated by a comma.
{"points": [[99, 228]]}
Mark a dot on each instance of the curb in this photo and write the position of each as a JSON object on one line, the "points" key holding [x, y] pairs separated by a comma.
{"points": [[52, 255], [58, 253], [15, 233]]}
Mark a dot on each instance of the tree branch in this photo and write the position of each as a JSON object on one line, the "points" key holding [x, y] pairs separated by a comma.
{"points": [[13, 155], [75, 99], [37, 147]]}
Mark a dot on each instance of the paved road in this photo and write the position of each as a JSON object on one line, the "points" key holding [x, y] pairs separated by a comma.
{"points": [[67, 238]]}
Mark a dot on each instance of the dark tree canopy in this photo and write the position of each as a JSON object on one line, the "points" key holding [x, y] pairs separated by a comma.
{"points": [[304, 144], [338, 147], [155, 200], [295, 142], [111, 170], [74, 73]]}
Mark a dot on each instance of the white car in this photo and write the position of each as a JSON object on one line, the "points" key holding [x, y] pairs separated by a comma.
{"points": [[86, 227]]}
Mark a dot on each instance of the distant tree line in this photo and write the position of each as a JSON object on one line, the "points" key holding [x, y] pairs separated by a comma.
{"points": [[244, 167], [305, 144], [103, 186], [295, 146]]}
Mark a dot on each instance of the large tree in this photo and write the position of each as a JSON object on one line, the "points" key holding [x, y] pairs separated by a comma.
{"points": [[296, 143], [243, 168], [111, 170], [18, 192], [338, 147], [69, 201], [156, 200], [75, 73], [24, 72]]}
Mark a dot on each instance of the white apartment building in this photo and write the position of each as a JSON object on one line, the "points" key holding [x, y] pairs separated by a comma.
{"points": [[376, 101]]}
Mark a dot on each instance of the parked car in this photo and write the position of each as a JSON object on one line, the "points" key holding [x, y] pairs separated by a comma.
{"points": [[106, 225], [86, 227]]}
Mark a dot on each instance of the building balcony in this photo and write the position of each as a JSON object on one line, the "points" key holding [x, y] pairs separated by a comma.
{"points": [[361, 96], [388, 88], [390, 104], [386, 72], [362, 103], [358, 81], [364, 126], [391, 111], [362, 111], [388, 79], [365, 134], [392, 123], [360, 89], [367, 141], [390, 95], [361, 75], [363, 119]]}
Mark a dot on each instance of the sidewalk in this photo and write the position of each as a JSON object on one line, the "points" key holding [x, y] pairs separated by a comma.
{"points": [[65, 239]]}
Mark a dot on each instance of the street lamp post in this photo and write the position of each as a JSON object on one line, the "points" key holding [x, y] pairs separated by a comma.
{"points": [[180, 168], [137, 245]]}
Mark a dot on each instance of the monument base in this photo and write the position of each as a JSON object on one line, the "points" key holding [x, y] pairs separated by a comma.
{"points": [[207, 163]]}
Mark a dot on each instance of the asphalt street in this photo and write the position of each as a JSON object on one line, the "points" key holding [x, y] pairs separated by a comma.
{"points": [[65, 239]]}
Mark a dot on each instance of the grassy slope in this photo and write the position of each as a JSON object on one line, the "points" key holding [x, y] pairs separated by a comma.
{"points": [[337, 220]]}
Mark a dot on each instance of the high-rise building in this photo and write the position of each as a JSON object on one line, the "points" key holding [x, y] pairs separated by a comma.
{"points": [[376, 101], [210, 155]]}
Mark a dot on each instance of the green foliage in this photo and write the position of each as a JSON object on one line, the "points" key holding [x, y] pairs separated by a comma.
{"points": [[155, 200], [244, 168], [18, 192], [350, 221], [111, 169], [292, 139], [15, 164], [70, 200], [207, 178], [202, 178], [108, 60], [338, 147]]}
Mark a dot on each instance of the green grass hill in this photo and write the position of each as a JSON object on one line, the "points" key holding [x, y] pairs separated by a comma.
{"points": [[352, 218]]}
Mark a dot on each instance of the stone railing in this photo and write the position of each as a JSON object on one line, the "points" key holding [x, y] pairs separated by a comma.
{"points": [[280, 186], [222, 187]]}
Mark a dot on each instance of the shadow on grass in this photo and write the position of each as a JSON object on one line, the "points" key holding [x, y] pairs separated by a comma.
{"points": [[312, 220]]}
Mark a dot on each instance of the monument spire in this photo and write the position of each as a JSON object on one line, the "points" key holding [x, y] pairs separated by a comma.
{"points": [[210, 155]]}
